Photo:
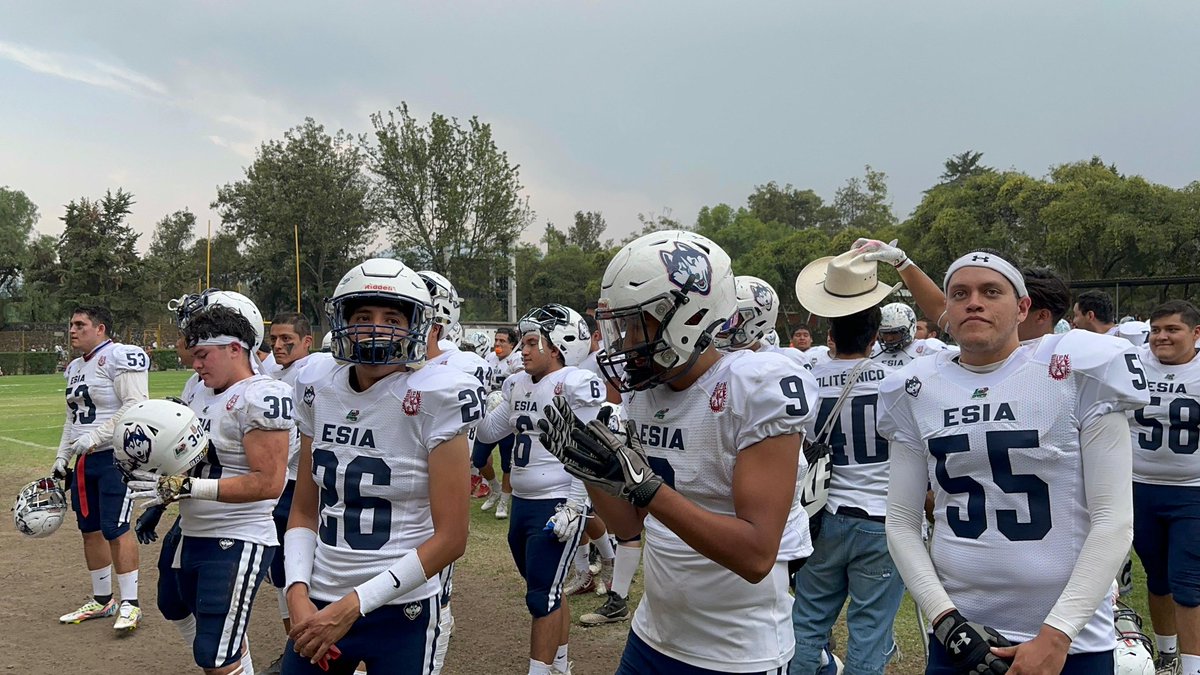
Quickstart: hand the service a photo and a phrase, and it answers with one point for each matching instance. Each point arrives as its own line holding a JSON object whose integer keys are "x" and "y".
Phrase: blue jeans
{"x": 850, "y": 558}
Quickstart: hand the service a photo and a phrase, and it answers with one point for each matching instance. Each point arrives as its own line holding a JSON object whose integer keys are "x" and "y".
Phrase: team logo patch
{"x": 137, "y": 444}
{"x": 1170, "y": 376}
{"x": 558, "y": 389}
{"x": 232, "y": 402}
{"x": 684, "y": 262}
{"x": 309, "y": 396}
{"x": 412, "y": 403}
{"x": 920, "y": 349}
{"x": 413, "y": 610}
{"x": 981, "y": 392}
{"x": 1060, "y": 366}
{"x": 762, "y": 296}
{"x": 912, "y": 386}
{"x": 583, "y": 331}
{"x": 717, "y": 400}
{"x": 661, "y": 414}
{"x": 352, "y": 416}
{"x": 225, "y": 544}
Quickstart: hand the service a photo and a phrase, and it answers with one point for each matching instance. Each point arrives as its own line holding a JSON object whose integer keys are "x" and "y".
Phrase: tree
{"x": 41, "y": 280}
{"x": 18, "y": 215}
{"x": 789, "y": 206}
{"x": 864, "y": 202}
{"x": 963, "y": 166}
{"x": 170, "y": 262}
{"x": 99, "y": 259}
{"x": 448, "y": 196}
{"x": 311, "y": 182}
{"x": 586, "y": 232}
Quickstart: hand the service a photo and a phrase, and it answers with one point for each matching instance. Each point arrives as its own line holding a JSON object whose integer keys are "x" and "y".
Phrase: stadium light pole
{"x": 296, "y": 226}
{"x": 208, "y": 258}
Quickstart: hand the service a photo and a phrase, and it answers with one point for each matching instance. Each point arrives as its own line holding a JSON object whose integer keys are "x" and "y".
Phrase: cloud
{"x": 82, "y": 69}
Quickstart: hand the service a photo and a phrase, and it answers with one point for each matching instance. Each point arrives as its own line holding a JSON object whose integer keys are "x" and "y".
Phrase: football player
{"x": 897, "y": 344}
{"x": 707, "y": 463}
{"x": 757, "y": 311}
{"x": 104, "y": 382}
{"x": 548, "y": 506}
{"x": 442, "y": 351}
{"x": 381, "y": 505}
{"x": 1093, "y": 311}
{"x": 226, "y": 501}
{"x": 1028, "y": 448}
{"x": 850, "y": 557}
{"x": 1166, "y": 483}
{"x": 505, "y": 361}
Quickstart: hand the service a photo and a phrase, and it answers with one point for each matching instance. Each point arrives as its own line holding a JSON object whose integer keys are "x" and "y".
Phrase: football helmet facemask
{"x": 40, "y": 508}
{"x": 188, "y": 305}
{"x": 382, "y": 282}
{"x": 562, "y": 327}
{"x": 897, "y": 326}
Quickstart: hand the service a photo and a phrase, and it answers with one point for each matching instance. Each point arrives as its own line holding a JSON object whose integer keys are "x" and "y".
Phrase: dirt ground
{"x": 44, "y": 578}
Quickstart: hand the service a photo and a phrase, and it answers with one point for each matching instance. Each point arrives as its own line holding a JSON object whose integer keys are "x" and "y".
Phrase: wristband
{"x": 402, "y": 578}
{"x": 299, "y": 551}
{"x": 905, "y": 264}
{"x": 203, "y": 488}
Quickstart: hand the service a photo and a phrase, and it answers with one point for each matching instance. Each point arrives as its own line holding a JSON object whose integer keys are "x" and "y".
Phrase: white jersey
{"x": 370, "y": 461}
{"x": 269, "y": 366}
{"x": 1137, "y": 332}
{"x": 815, "y": 355}
{"x": 1166, "y": 433}
{"x": 467, "y": 362}
{"x": 537, "y": 474}
{"x": 859, "y": 455}
{"x": 913, "y": 350}
{"x": 191, "y": 388}
{"x": 795, "y": 355}
{"x": 1005, "y": 464}
{"x": 91, "y": 398}
{"x": 287, "y": 375}
{"x": 695, "y": 610}
{"x": 257, "y": 402}
{"x": 502, "y": 368}
{"x": 591, "y": 364}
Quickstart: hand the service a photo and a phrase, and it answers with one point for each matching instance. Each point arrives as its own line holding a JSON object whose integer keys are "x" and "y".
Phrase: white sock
{"x": 495, "y": 483}
{"x": 1167, "y": 644}
{"x": 628, "y": 559}
{"x": 281, "y": 595}
{"x": 1190, "y": 664}
{"x": 605, "y": 547}
{"x": 474, "y": 471}
{"x": 102, "y": 581}
{"x": 128, "y": 583}
{"x": 581, "y": 559}
{"x": 538, "y": 668}
{"x": 187, "y": 629}
{"x": 247, "y": 663}
{"x": 560, "y": 659}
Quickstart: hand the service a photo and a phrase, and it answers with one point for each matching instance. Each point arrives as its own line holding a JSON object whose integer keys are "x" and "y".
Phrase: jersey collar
{"x": 102, "y": 345}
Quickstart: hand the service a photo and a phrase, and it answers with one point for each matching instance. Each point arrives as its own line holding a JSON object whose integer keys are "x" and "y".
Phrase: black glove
{"x": 969, "y": 644}
{"x": 147, "y": 523}
{"x": 616, "y": 463}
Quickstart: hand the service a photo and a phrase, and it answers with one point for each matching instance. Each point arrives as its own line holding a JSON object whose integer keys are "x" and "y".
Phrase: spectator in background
{"x": 1094, "y": 312}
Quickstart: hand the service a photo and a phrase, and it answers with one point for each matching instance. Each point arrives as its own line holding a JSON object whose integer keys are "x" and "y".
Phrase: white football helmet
{"x": 161, "y": 436}
{"x": 188, "y": 305}
{"x": 1133, "y": 653}
{"x": 680, "y": 279}
{"x": 771, "y": 338}
{"x": 380, "y": 281}
{"x": 897, "y": 327}
{"x": 757, "y": 311}
{"x": 40, "y": 508}
{"x": 447, "y": 305}
{"x": 481, "y": 343}
{"x": 455, "y": 333}
{"x": 327, "y": 342}
{"x": 562, "y": 327}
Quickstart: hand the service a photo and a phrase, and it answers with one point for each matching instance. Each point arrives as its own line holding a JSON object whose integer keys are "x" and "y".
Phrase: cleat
{"x": 90, "y": 610}
{"x": 128, "y": 617}
{"x": 490, "y": 502}
{"x": 555, "y": 671}
{"x": 1167, "y": 664}
{"x": 502, "y": 506}
{"x": 604, "y": 577}
{"x": 480, "y": 488}
{"x": 613, "y": 610}
{"x": 578, "y": 584}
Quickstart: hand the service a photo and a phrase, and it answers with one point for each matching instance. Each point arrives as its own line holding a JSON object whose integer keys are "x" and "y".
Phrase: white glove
{"x": 83, "y": 445}
{"x": 153, "y": 490}
{"x": 875, "y": 250}
{"x": 59, "y": 471}
{"x": 566, "y": 521}
{"x": 494, "y": 400}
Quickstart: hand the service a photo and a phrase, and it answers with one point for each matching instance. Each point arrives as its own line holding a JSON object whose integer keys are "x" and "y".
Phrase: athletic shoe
{"x": 129, "y": 617}
{"x": 1167, "y": 664}
{"x": 275, "y": 668}
{"x": 604, "y": 578}
{"x": 613, "y": 610}
{"x": 502, "y": 506}
{"x": 555, "y": 671}
{"x": 578, "y": 584}
{"x": 481, "y": 489}
{"x": 488, "y": 503}
{"x": 90, "y": 610}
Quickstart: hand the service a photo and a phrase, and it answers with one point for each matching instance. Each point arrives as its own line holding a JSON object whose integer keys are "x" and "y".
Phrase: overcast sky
{"x": 618, "y": 106}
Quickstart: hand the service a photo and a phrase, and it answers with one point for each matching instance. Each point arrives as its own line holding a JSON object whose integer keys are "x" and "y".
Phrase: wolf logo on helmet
{"x": 137, "y": 445}
{"x": 763, "y": 296}
{"x": 685, "y": 264}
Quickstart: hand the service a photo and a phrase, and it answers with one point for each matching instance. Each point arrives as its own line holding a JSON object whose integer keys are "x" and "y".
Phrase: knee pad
{"x": 538, "y": 604}
{"x": 637, "y": 537}
{"x": 112, "y": 532}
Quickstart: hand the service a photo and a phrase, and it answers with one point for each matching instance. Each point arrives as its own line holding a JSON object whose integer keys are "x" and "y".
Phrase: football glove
{"x": 615, "y": 463}
{"x": 83, "y": 445}
{"x": 59, "y": 470}
{"x": 969, "y": 644}
{"x": 154, "y": 490}
{"x": 566, "y": 521}
{"x": 875, "y": 250}
{"x": 147, "y": 523}
{"x": 558, "y": 420}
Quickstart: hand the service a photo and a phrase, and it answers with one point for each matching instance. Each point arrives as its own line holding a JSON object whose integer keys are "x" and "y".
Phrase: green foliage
{"x": 449, "y": 198}
{"x": 28, "y": 363}
{"x": 18, "y": 215}
{"x": 164, "y": 359}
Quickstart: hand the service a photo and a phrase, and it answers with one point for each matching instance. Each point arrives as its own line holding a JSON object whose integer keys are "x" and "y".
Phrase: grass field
{"x": 31, "y": 417}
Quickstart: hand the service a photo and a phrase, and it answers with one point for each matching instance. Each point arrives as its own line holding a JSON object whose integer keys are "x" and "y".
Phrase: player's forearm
{"x": 251, "y": 487}
{"x": 622, "y": 518}
{"x": 905, "y": 513}
{"x": 1108, "y": 479}
{"x": 494, "y": 427}
{"x": 925, "y": 291}
{"x": 64, "y": 442}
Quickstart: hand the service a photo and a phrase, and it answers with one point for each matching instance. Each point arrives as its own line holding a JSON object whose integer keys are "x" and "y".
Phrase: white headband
{"x": 222, "y": 341}
{"x": 992, "y": 262}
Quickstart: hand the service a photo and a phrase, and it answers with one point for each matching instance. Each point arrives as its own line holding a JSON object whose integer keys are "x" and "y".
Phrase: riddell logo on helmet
{"x": 379, "y": 287}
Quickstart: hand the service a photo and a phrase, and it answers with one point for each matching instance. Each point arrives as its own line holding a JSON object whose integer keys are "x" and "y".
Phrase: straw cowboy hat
{"x": 840, "y": 285}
